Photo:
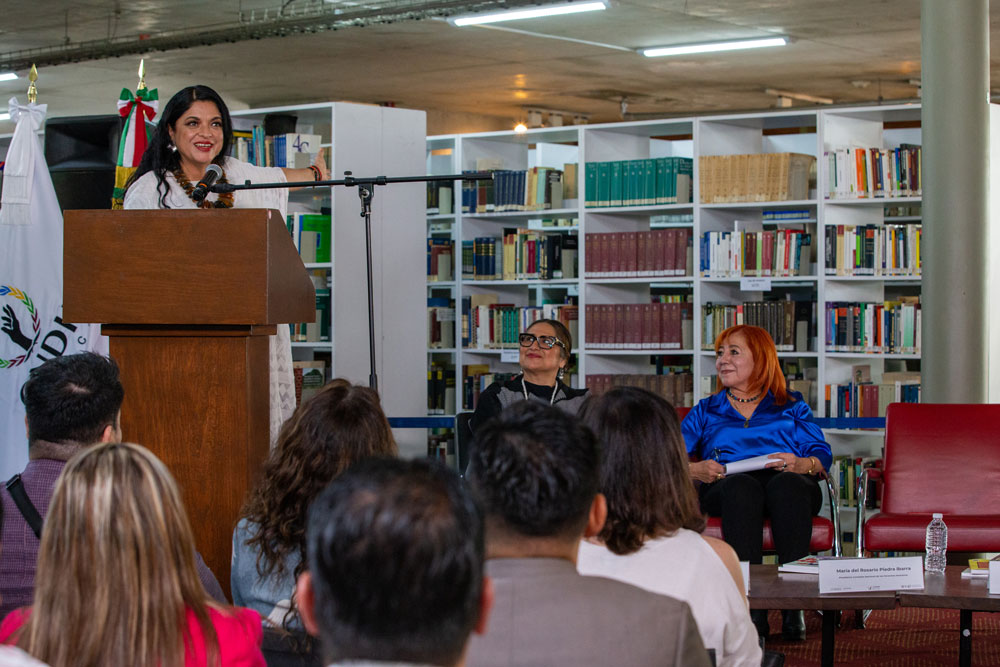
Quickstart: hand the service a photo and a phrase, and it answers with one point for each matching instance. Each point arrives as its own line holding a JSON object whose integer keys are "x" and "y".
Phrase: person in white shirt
{"x": 651, "y": 538}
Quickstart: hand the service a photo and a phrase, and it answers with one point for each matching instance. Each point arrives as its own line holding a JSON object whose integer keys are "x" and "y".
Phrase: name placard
{"x": 994, "y": 577}
{"x": 855, "y": 575}
{"x": 509, "y": 357}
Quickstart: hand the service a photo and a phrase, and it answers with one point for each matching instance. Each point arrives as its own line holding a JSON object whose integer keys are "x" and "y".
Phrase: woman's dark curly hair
{"x": 644, "y": 468}
{"x": 158, "y": 157}
{"x": 340, "y": 425}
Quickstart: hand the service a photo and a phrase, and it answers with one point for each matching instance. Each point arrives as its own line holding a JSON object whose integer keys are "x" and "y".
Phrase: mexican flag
{"x": 31, "y": 251}
{"x": 138, "y": 110}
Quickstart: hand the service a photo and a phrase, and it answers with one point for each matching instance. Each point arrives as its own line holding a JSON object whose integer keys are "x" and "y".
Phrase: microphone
{"x": 212, "y": 174}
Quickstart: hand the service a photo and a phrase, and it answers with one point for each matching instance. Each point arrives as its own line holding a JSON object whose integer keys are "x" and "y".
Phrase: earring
{"x": 171, "y": 147}
{"x": 560, "y": 373}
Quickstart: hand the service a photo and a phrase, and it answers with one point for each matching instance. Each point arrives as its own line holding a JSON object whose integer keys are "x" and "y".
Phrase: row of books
{"x": 776, "y": 253}
{"x": 311, "y": 235}
{"x": 520, "y": 254}
{"x": 647, "y": 182}
{"x": 535, "y": 189}
{"x": 755, "y": 177}
{"x": 440, "y": 259}
{"x": 318, "y": 330}
{"x": 295, "y": 150}
{"x": 874, "y": 327}
{"x": 439, "y": 198}
{"x": 475, "y": 379}
{"x": 488, "y": 324}
{"x": 873, "y": 250}
{"x": 862, "y": 173}
{"x": 792, "y": 324}
{"x": 676, "y": 387}
{"x": 441, "y": 446}
{"x": 440, "y": 323}
{"x": 639, "y": 326}
{"x": 440, "y": 388}
{"x": 659, "y": 252}
{"x": 846, "y": 471}
{"x": 869, "y": 399}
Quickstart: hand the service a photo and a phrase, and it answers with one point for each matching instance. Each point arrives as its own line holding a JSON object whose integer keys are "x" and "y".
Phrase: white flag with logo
{"x": 31, "y": 254}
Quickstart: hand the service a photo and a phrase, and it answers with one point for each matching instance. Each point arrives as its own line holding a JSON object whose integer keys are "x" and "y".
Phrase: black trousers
{"x": 743, "y": 500}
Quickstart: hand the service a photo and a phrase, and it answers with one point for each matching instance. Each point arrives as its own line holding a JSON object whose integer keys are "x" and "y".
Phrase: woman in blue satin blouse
{"x": 753, "y": 414}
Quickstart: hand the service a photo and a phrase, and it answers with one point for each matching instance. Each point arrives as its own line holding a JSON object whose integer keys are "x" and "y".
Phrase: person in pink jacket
{"x": 116, "y": 581}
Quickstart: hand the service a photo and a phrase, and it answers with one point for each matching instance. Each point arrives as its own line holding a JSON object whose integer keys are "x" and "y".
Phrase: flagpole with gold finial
{"x": 142, "y": 75}
{"x": 137, "y": 109}
{"x": 32, "y": 89}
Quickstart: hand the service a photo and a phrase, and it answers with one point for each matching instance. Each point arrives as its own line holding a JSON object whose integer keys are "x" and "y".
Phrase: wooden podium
{"x": 188, "y": 299}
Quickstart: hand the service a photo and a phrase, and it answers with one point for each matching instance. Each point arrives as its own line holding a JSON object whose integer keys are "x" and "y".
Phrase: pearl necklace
{"x": 730, "y": 394}
{"x": 552, "y": 399}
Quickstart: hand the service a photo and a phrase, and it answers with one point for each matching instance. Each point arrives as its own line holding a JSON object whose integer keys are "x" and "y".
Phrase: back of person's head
{"x": 535, "y": 468}
{"x": 395, "y": 564}
{"x": 644, "y": 468}
{"x": 116, "y": 565}
{"x": 341, "y": 425}
{"x": 72, "y": 399}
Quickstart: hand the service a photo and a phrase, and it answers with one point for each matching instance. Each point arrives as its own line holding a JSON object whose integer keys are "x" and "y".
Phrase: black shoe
{"x": 793, "y": 625}
{"x": 759, "y": 618}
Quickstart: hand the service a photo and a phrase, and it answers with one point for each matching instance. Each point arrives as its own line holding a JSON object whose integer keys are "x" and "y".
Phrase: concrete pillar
{"x": 955, "y": 135}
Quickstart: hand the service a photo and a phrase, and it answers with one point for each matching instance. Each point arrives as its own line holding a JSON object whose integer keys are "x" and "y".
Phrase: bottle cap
{"x": 937, "y": 515}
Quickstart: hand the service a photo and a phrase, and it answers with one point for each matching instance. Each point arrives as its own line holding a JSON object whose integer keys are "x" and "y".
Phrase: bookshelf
{"x": 796, "y": 223}
{"x": 369, "y": 141}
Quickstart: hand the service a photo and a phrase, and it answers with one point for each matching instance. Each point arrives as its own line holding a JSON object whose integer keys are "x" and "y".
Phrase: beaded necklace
{"x": 225, "y": 199}
{"x": 741, "y": 400}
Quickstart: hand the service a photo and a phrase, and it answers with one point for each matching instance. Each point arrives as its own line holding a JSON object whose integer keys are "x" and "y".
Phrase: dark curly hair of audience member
{"x": 644, "y": 471}
{"x": 396, "y": 553}
{"x": 340, "y": 425}
{"x": 535, "y": 468}
{"x": 72, "y": 399}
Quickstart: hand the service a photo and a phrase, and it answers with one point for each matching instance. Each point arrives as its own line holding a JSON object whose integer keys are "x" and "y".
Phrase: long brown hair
{"x": 767, "y": 375}
{"x": 341, "y": 424}
{"x": 644, "y": 468}
{"x": 116, "y": 567}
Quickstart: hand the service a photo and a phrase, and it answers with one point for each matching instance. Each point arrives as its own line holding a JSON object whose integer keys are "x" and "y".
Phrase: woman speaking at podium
{"x": 194, "y": 132}
{"x": 754, "y": 416}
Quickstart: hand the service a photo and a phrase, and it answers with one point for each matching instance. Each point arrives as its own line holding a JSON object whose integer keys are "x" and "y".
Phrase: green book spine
{"x": 604, "y": 183}
{"x": 661, "y": 180}
{"x": 590, "y": 184}
{"x": 617, "y": 186}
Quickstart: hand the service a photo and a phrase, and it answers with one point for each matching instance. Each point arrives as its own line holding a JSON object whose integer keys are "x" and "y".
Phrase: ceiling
{"x": 851, "y": 51}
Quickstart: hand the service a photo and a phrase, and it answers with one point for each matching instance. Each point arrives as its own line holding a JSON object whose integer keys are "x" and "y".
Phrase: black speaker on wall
{"x": 82, "y": 152}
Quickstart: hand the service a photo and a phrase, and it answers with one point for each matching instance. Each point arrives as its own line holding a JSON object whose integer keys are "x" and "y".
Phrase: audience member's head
{"x": 535, "y": 469}
{"x": 340, "y": 425}
{"x": 116, "y": 565}
{"x": 73, "y": 401}
{"x": 395, "y": 565}
{"x": 644, "y": 468}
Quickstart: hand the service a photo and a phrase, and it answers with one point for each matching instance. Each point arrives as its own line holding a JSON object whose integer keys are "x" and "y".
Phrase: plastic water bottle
{"x": 936, "y": 544}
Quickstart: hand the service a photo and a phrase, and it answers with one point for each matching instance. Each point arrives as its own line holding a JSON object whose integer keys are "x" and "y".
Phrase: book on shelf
{"x": 639, "y": 326}
{"x": 319, "y": 329}
{"x": 870, "y": 399}
{"x": 873, "y": 250}
{"x": 775, "y": 253}
{"x": 888, "y": 327}
{"x": 676, "y": 387}
{"x": 295, "y": 150}
{"x": 804, "y": 565}
{"x": 535, "y": 189}
{"x": 440, "y": 259}
{"x": 520, "y": 254}
{"x": 311, "y": 233}
{"x": 866, "y": 173}
{"x": 790, "y": 323}
{"x": 309, "y": 377}
{"x": 440, "y": 323}
{"x": 488, "y": 324}
{"x": 440, "y": 388}
{"x": 569, "y": 183}
{"x": 439, "y": 198}
{"x": 645, "y": 182}
{"x": 658, "y": 252}
{"x": 441, "y": 445}
{"x": 475, "y": 379}
{"x": 845, "y": 471}
{"x": 761, "y": 177}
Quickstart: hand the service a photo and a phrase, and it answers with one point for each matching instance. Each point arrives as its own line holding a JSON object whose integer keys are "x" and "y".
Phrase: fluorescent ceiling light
{"x": 532, "y": 13}
{"x": 709, "y": 47}
{"x": 7, "y": 76}
{"x": 4, "y": 116}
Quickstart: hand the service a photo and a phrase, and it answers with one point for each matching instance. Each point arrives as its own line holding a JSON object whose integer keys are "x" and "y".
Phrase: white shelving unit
{"x": 369, "y": 141}
{"x": 812, "y": 131}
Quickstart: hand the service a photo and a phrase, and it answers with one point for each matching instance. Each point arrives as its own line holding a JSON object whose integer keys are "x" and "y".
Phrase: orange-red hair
{"x": 767, "y": 375}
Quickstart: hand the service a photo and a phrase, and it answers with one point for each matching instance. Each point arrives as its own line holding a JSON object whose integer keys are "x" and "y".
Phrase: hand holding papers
{"x": 746, "y": 465}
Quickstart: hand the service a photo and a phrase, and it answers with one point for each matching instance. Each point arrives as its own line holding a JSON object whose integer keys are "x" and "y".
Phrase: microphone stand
{"x": 366, "y": 192}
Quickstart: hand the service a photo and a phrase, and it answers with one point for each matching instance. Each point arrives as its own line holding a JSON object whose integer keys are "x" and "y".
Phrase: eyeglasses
{"x": 544, "y": 342}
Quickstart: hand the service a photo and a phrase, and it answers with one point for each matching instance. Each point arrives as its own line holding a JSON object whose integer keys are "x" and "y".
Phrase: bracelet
{"x": 317, "y": 174}
{"x": 811, "y": 465}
